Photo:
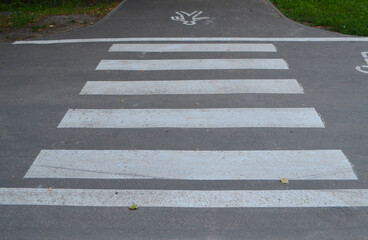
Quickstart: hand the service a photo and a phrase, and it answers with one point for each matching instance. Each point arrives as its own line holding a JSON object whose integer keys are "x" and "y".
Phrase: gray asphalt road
{"x": 39, "y": 83}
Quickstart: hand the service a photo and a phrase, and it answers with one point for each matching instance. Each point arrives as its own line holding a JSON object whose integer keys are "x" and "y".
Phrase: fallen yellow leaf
{"x": 284, "y": 181}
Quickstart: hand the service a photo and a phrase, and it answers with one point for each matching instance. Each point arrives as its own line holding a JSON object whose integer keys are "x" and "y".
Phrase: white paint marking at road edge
{"x": 228, "y": 86}
{"x": 199, "y": 39}
{"x": 185, "y": 198}
{"x": 193, "y": 165}
{"x": 192, "y": 64}
{"x": 360, "y": 68}
{"x": 192, "y": 118}
{"x": 204, "y": 47}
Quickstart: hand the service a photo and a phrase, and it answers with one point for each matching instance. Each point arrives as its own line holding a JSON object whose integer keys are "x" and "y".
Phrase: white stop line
{"x": 199, "y": 39}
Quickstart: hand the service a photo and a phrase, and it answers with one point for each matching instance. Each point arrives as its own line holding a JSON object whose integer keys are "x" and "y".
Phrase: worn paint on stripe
{"x": 274, "y": 86}
{"x": 185, "y": 198}
{"x": 199, "y": 39}
{"x": 193, "y": 165}
{"x": 205, "y": 47}
{"x": 192, "y": 118}
{"x": 192, "y": 64}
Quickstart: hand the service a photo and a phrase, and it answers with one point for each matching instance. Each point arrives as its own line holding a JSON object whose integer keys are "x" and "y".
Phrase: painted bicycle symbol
{"x": 361, "y": 68}
{"x": 188, "y": 18}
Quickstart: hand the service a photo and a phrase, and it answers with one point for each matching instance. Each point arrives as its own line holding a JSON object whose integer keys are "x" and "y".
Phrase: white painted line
{"x": 193, "y": 165}
{"x": 205, "y": 47}
{"x": 274, "y": 86}
{"x": 199, "y": 39}
{"x": 363, "y": 68}
{"x": 185, "y": 198}
{"x": 192, "y": 64}
{"x": 189, "y": 19}
{"x": 192, "y": 118}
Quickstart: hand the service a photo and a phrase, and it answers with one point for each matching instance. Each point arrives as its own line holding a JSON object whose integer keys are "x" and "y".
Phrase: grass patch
{"x": 20, "y": 13}
{"x": 36, "y": 28}
{"x": 344, "y": 16}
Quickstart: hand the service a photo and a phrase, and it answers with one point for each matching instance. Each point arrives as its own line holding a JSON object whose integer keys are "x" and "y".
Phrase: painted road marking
{"x": 193, "y": 165}
{"x": 204, "y": 47}
{"x": 192, "y": 118}
{"x": 185, "y": 198}
{"x": 363, "y": 68}
{"x": 192, "y": 64}
{"x": 188, "y": 19}
{"x": 273, "y": 86}
{"x": 203, "y": 39}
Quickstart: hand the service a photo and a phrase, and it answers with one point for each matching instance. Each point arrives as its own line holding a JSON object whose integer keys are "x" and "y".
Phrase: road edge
{"x": 107, "y": 16}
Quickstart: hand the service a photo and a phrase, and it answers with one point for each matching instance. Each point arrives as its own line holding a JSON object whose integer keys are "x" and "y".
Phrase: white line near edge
{"x": 205, "y": 47}
{"x": 192, "y": 118}
{"x": 199, "y": 39}
{"x": 185, "y": 198}
{"x": 192, "y": 64}
{"x": 228, "y": 86}
{"x": 193, "y": 165}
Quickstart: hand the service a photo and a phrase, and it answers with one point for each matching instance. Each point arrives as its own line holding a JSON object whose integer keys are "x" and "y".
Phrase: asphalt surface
{"x": 39, "y": 83}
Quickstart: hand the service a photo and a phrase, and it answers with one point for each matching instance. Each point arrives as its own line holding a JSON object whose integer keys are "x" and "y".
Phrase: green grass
{"x": 344, "y": 16}
{"x": 20, "y": 13}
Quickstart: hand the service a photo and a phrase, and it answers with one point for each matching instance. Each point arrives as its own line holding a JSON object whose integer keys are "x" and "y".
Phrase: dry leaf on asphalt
{"x": 284, "y": 181}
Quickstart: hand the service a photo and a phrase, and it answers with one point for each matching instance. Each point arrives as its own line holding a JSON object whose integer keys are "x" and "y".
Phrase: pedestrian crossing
{"x": 192, "y": 64}
{"x": 320, "y": 164}
{"x": 192, "y": 165}
{"x": 204, "y": 47}
{"x": 185, "y": 198}
{"x": 193, "y": 118}
{"x": 228, "y": 86}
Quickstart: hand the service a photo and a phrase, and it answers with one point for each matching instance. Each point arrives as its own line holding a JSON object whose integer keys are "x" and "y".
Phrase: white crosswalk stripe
{"x": 240, "y": 165}
{"x": 185, "y": 198}
{"x": 189, "y": 165}
{"x": 234, "y": 47}
{"x": 272, "y": 86}
{"x": 192, "y": 64}
{"x": 193, "y": 118}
